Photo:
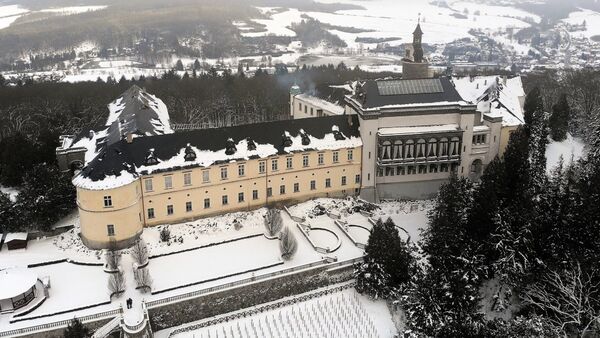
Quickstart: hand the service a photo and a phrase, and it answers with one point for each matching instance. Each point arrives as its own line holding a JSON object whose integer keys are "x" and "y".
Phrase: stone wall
{"x": 205, "y": 306}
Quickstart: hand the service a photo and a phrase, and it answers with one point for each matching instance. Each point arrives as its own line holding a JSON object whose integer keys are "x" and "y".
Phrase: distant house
{"x": 16, "y": 240}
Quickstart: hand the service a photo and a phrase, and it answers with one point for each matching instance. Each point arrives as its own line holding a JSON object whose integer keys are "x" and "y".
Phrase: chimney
{"x": 129, "y": 138}
{"x": 504, "y": 80}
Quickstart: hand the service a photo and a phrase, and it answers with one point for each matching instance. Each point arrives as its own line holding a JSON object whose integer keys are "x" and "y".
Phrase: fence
{"x": 61, "y": 323}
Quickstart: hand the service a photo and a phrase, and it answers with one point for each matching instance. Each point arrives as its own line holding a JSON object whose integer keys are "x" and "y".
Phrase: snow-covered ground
{"x": 73, "y": 9}
{"x": 592, "y": 21}
{"x": 9, "y": 14}
{"x": 340, "y": 314}
{"x": 75, "y": 285}
{"x": 570, "y": 149}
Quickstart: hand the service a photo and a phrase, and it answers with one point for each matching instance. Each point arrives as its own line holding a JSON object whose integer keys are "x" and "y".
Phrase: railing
{"x": 61, "y": 323}
{"x": 137, "y": 327}
{"x": 264, "y": 307}
{"x": 198, "y": 293}
{"x": 107, "y": 328}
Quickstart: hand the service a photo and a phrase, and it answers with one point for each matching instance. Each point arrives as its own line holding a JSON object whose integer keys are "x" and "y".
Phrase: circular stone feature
{"x": 324, "y": 238}
{"x": 359, "y": 233}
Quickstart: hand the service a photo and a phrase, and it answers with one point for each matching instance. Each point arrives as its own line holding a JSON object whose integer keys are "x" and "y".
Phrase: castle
{"x": 394, "y": 138}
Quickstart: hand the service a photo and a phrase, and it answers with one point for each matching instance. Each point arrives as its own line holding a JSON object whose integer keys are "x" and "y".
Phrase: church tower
{"x": 415, "y": 66}
{"x": 417, "y": 44}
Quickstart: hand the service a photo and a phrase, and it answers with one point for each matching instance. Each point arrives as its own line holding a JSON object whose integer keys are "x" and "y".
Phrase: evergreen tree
{"x": 387, "y": 262}
{"x": 2, "y": 80}
{"x": 76, "y": 330}
{"x": 533, "y": 102}
{"x": 197, "y": 65}
{"x": 179, "y": 65}
{"x": 443, "y": 298}
{"x": 559, "y": 120}
{"x": 240, "y": 70}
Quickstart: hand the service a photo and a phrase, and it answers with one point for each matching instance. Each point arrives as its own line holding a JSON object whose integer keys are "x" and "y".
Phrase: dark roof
{"x": 379, "y": 93}
{"x": 418, "y": 30}
{"x": 126, "y": 156}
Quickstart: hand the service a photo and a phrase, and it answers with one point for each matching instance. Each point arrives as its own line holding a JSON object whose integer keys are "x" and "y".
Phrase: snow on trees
{"x": 273, "y": 222}
{"x": 559, "y": 120}
{"x": 165, "y": 234}
{"x": 139, "y": 252}
{"x": 143, "y": 279}
{"x": 76, "y": 329}
{"x": 387, "y": 262}
{"x": 287, "y": 244}
{"x": 116, "y": 282}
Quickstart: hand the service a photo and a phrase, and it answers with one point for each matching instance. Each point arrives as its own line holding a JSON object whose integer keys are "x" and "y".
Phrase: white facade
{"x": 306, "y": 106}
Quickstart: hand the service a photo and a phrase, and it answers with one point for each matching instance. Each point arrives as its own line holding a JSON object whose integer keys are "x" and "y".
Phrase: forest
{"x": 522, "y": 240}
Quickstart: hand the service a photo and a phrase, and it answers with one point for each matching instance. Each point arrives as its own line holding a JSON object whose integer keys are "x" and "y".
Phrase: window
{"x": 274, "y": 165}
{"x": 254, "y": 194}
{"x": 400, "y": 171}
{"x": 479, "y": 139}
{"x": 148, "y": 184}
{"x": 350, "y": 155}
{"x": 168, "y": 182}
{"x": 224, "y": 173}
{"x": 241, "y": 197}
{"x": 241, "y": 170}
{"x": 269, "y": 192}
{"x": 357, "y": 179}
{"x": 305, "y": 109}
{"x": 206, "y": 203}
{"x": 421, "y": 145}
{"x": 187, "y": 178}
{"x": 433, "y": 168}
{"x": 296, "y": 187}
{"x": 343, "y": 180}
{"x": 261, "y": 167}
{"x": 311, "y": 111}
{"x": 282, "y": 190}
{"x": 412, "y": 170}
{"x": 313, "y": 185}
{"x": 224, "y": 200}
{"x": 188, "y": 206}
{"x": 385, "y": 150}
{"x": 336, "y": 156}
{"x": 151, "y": 213}
{"x": 205, "y": 176}
{"x": 328, "y": 183}
{"x": 169, "y": 209}
{"x": 300, "y": 106}
{"x": 110, "y": 229}
{"x": 107, "y": 201}
{"x": 321, "y": 158}
{"x": 305, "y": 162}
{"x": 289, "y": 162}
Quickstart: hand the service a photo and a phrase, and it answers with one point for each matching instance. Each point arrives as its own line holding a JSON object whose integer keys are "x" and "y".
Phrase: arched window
{"x": 454, "y": 146}
{"x": 444, "y": 147}
{"x": 397, "y": 150}
{"x": 421, "y": 145}
{"x": 432, "y": 151}
{"x": 477, "y": 167}
{"x": 409, "y": 149}
{"x": 386, "y": 150}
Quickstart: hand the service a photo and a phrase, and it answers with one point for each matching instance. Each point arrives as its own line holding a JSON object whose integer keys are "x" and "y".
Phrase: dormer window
{"x": 190, "y": 154}
{"x": 305, "y": 138}
{"x": 337, "y": 134}
{"x": 230, "y": 148}
{"x": 287, "y": 139}
{"x": 251, "y": 144}
{"x": 151, "y": 158}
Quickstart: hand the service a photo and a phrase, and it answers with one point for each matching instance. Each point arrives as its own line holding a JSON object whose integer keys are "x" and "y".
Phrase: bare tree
{"x": 139, "y": 252}
{"x": 143, "y": 279}
{"x": 116, "y": 283}
{"x": 112, "y": 256}
{"x": 287, "y": 244}
{"x": 273, "y": 222}
{"x": 570, "y": 300}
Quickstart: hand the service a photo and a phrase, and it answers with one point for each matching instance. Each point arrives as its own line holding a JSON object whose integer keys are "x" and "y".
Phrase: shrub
{"x": 143, "y": 279}
{"x": 76, "y": 330}
{"x": 273, "y": 222}
{"x": 116, "y": 283}
{"x": 165, "y": 234}
{"x": 287, "y": 244}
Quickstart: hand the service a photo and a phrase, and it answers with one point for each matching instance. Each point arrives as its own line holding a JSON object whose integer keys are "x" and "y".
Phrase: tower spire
{"x": 417, "y": 42}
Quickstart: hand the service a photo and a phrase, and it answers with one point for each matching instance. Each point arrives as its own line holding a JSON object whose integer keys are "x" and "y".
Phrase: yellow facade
{"x": 187, "y": 194}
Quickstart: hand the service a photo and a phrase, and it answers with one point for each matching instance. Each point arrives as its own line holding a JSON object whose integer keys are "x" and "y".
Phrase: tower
{"x": 417, "y": 44}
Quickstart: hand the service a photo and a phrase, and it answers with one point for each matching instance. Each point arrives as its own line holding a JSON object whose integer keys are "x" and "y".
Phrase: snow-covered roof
{"x": 122, "y": 162}
{"x": 320, "y": 103}
{"x": 494, "y": 97}
{"x": 15, "y": 281}
{"x": 419, "y": 130}
{"x": 15, "y": 236}
{"x": 135, "y": 112}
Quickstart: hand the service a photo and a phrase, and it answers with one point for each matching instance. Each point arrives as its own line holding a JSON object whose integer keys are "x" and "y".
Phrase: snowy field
{"x": 9, "y": 14}
{"x": 340, "y": 314}
{"x": 592, "y": 21}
